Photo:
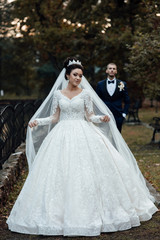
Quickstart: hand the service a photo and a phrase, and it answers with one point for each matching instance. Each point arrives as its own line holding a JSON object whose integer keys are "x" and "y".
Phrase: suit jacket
{"x": 115, "y": 101}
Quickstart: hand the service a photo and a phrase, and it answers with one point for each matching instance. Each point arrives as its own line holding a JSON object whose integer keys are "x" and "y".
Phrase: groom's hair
{"x": 111, "y": 64}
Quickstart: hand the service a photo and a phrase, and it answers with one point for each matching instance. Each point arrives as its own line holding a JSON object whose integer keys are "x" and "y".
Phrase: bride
{"x": 83, "y": 179}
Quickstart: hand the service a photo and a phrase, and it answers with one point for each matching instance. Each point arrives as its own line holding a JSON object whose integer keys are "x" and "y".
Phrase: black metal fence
{"x": 13, "y": 125}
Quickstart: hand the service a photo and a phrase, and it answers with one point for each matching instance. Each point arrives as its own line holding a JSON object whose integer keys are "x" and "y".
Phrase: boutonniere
{"x": 121, "y": 86}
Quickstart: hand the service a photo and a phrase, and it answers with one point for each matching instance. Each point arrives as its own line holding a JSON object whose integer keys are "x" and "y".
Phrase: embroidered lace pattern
{"x": 71, "y": 109}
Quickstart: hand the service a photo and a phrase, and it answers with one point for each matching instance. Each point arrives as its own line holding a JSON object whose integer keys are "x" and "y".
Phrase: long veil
{"x": 35, "y": 136}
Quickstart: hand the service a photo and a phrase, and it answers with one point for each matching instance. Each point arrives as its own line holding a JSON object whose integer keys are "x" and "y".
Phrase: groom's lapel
{"x": 105, "y": 88}
{"x": 116, "y": 89}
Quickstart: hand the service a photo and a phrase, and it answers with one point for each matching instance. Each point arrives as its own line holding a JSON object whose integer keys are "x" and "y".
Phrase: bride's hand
{"x": 105, "y": 118}
{"x": 33, "y": 124}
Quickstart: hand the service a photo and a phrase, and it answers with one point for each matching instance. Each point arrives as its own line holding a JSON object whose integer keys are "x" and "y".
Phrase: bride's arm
{"x": 90, "y": 113}
{"x": 97, "y": 118}
{"x": 48, "y": 120}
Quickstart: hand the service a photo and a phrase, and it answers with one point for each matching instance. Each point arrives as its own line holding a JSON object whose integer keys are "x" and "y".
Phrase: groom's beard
{"x": 111, "y": 75}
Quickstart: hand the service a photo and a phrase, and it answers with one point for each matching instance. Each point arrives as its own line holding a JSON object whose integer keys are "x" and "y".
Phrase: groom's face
{"x": 111, "y": 70}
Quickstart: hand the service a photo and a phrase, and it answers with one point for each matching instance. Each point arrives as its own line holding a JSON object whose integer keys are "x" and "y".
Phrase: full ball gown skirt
{"x": 79, "y": 184}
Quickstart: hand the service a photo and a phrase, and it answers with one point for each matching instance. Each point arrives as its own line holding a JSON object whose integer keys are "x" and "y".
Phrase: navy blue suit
{"x": 114, "y": 102}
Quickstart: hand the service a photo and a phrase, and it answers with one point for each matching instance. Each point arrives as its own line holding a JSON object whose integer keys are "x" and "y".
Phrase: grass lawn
{"x": 138, "y": 138}
{"x": 147, "y": 154}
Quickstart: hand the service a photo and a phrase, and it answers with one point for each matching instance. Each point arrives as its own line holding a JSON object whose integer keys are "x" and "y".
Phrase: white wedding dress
{"x": 79, "y": 183}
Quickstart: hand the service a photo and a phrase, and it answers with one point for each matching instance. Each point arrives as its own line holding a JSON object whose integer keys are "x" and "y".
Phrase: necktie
{"x": 110, "y": 81}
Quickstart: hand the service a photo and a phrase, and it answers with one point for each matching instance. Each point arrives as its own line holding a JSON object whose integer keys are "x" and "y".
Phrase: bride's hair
{"x": 72, "y": 66}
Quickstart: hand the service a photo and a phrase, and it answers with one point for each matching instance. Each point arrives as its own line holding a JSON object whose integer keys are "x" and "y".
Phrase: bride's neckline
{"x": 72, "y": 97}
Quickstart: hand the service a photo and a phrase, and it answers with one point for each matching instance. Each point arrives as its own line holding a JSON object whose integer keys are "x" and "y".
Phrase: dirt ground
{"x": 149, "y": 230}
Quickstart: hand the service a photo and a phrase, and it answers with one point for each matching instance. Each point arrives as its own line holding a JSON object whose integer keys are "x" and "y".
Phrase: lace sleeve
{"x": 89, "y": 110}
{"x": 55, "y": 113}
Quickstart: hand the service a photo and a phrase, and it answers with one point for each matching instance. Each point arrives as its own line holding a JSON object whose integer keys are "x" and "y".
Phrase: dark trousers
{"x": 119, "y": 122}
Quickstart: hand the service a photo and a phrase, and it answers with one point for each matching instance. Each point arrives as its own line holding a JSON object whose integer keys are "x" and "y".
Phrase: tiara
{"x": 74, "y": 62}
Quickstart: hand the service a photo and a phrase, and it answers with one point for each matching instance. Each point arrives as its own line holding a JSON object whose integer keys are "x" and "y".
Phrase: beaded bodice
{"x": 79, "y": 107}
{"x": 72, "y": 109}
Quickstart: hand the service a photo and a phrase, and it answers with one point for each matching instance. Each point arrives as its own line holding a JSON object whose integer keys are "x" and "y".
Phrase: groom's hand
{"x": 105, "y": 118}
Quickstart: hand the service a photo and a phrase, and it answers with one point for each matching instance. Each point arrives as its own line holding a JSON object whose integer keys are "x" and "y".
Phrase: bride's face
{"x": 75, "y": 77}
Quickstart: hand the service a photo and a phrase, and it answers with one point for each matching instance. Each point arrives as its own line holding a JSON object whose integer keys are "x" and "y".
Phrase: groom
{"x": 113, "y": 92}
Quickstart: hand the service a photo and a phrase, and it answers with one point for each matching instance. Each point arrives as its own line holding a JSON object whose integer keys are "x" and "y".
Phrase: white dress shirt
{"x": 111, "y": 87}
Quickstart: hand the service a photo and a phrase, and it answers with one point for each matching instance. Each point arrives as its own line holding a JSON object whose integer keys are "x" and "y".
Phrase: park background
{"x": 37, "y": 35}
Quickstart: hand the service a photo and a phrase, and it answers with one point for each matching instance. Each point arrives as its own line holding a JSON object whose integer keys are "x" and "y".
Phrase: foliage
{"x": 144, "y": 60}
{"x": 17, "y": 57}
{"x": 57, "y": 29}
{"x": 44, "y": 33}
{"x": 17, "y": 64}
